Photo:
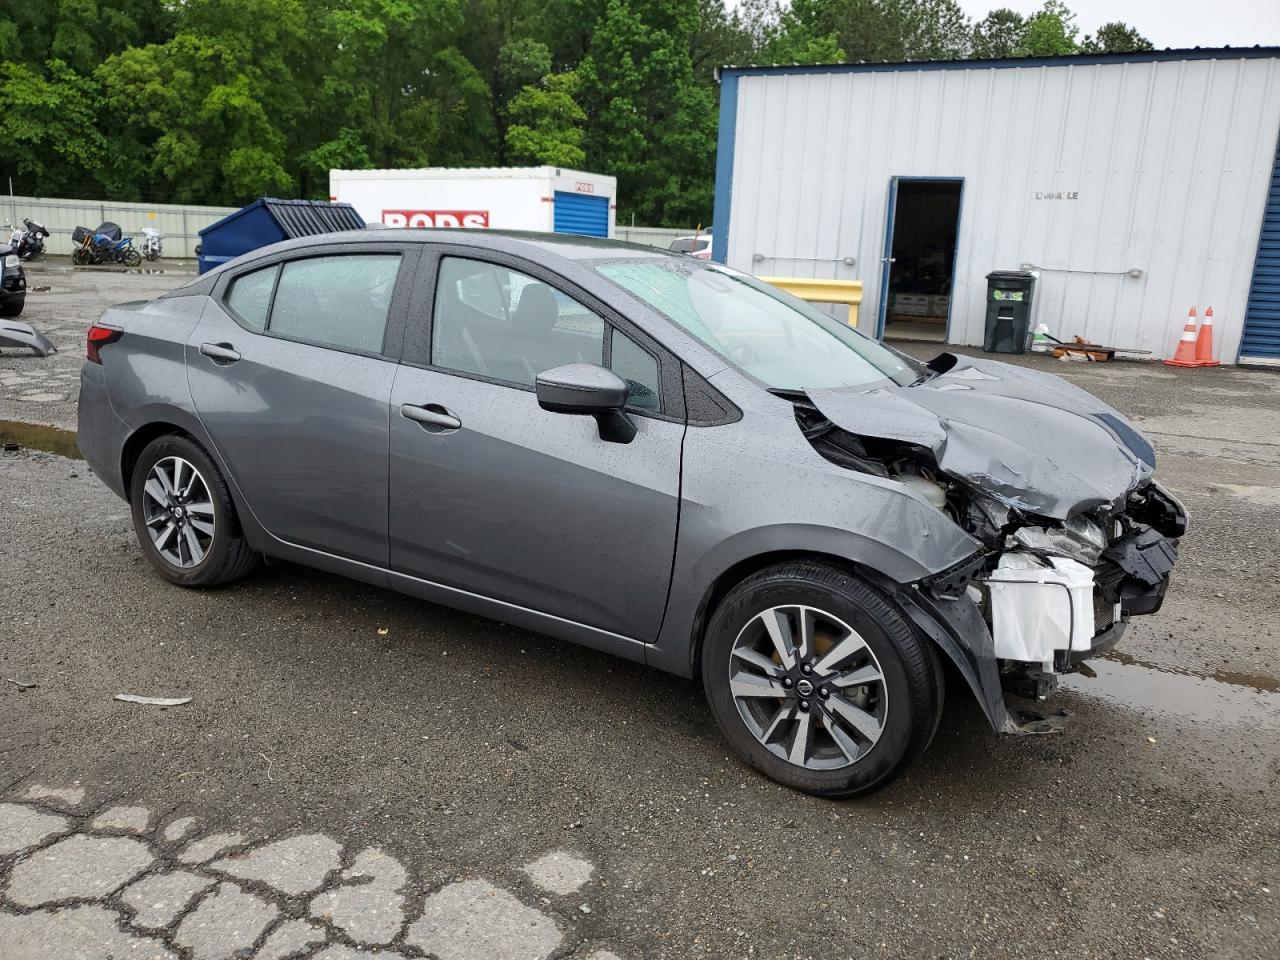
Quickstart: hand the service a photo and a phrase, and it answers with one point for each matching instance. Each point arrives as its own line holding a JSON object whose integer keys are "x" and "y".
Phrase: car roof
{"x": 521, "y": 242}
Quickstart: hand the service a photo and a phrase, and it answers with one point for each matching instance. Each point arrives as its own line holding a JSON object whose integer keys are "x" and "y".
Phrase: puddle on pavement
{"x": 1224, "y": 699}
{"x": 36, "y": 436}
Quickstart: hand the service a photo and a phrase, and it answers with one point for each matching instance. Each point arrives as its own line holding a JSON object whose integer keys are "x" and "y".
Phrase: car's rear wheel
{"x": 183, "y": 515}
{"x": 818, "y": 681}
{"x": 13, "y": 307}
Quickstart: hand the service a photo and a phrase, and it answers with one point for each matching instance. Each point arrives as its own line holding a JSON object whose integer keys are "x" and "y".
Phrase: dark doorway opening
{"x": 925, "y": 220}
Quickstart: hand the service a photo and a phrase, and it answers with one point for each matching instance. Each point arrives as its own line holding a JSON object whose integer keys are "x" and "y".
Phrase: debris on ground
{"x": 153, "y": 701}
{"x": 19, "y": 684}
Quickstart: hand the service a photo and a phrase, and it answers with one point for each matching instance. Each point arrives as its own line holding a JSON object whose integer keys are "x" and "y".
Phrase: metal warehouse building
{"x": 1133, "y": 185}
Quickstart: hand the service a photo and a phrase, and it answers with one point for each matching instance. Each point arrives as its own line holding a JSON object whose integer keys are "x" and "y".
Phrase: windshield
{"x": 782, "y": 342}
{"x": 688, "y": 244}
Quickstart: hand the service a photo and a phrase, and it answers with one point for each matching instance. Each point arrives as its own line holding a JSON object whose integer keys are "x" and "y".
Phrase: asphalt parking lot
{"x": 368, "y": 774}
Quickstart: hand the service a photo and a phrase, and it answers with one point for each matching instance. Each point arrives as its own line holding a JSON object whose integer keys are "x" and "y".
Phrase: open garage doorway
{"x": 920, "y": 257}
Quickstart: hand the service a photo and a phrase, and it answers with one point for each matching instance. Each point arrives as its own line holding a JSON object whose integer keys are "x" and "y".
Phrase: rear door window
{"x": 339, "y": 301}
{"x": 250, "y": 296}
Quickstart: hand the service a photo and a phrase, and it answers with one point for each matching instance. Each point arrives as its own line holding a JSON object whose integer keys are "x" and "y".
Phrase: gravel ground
{"x": 466, "y": 749}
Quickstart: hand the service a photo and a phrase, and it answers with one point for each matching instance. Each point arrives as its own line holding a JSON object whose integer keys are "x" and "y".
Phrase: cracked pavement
{"x": 121, "y": 883}
{"x": 497, "y": 768}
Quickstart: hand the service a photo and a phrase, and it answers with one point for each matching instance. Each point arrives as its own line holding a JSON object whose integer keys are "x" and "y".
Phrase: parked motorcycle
{"x": 28, "y": 243}
{"x": 104, "y": 245}
{"x": 152, "y": 247}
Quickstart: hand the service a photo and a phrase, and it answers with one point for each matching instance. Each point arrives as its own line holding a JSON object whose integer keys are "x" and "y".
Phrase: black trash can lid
{"x": 1017, "y": 276}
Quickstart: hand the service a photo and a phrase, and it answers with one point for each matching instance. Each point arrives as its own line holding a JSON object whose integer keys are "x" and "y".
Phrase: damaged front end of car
{"x": 1056, "y": 487}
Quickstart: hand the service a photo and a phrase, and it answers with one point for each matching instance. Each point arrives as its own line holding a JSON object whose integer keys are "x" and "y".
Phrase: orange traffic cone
{"x": 1204, "y": 342}
{"x": 1185, "y": 355}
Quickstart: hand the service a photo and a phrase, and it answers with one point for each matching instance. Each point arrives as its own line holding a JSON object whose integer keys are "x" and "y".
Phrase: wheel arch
{"x": 739, "y": 571}
{"x": 961, "y": 638}
{"x": 137, "y": 441}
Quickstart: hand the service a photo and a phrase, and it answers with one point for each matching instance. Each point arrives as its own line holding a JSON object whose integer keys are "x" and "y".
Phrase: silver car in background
{"x": 646, "y": 454}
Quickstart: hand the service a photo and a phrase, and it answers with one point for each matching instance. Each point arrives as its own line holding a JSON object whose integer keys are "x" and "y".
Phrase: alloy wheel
{"x": 808, "y": 687}
{"x": 178, "y": 512}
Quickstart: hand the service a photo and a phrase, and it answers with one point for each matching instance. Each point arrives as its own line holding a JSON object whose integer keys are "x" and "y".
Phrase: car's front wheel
{"x": 818, "y": 682}
{"x": 183, "y": 515}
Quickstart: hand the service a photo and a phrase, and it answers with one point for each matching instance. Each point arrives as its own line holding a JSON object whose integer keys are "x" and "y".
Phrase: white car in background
{"x": 697, "y": 246}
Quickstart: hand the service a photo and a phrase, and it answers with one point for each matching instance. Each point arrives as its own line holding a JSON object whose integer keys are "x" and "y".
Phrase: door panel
{"x": 303, "y": 429}
{"x": 886, "y": 261}
{"x": 530, "y": 507}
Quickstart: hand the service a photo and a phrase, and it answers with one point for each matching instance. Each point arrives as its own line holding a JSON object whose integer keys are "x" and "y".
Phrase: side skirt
{"x": 459, "y": 599}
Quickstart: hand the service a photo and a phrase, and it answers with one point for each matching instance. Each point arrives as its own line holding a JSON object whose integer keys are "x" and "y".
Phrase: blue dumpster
{"x": 267, "y": 221}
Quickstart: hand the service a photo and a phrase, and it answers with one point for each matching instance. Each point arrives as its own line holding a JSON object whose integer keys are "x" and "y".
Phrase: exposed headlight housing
{"x": 11, "y": 261}
{"x": 1079, "y": 539}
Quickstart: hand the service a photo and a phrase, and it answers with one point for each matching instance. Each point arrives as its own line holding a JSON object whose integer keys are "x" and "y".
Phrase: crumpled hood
{"x": 1028, "y": 439}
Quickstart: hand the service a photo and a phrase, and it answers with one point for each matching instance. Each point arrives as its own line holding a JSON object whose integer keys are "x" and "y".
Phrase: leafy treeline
{"x": 220, "y": 101}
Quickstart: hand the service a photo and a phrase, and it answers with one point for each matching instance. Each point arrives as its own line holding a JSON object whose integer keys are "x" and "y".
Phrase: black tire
{"x": 912, "y": 677}
{"x": 79, "y": 256}
{"x": 228, "y": 556}
{"x": 132, "y": 258}
{"x": 13, "y": 308}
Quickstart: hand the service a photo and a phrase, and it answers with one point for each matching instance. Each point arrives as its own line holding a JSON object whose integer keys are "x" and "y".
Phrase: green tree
{"x": 48, "y": 130}
{"x": 888, "y": 30}
{"x": 650, "y": 123}
{"x": 1115, "y": 37}
{"x": 546, "y": 123}
{"x": 778, "y": 35}
{"x": 1050, "y": 32}
{"x": 395, "y": 76}
{"x": 199, "y": 108}
{"x": 999, "y": 34}
{"x": 80, "y": 33}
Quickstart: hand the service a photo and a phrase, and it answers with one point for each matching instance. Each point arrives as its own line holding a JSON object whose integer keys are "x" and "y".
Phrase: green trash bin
{"x": 1009, "y": 296}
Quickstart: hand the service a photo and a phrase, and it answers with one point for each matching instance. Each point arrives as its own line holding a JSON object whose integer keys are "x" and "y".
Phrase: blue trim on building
{"x": 724, "y": 167}
{"x": 886, "y": 266}
{"x": 1261, "y": 336}
{"x": 729, "y": 73}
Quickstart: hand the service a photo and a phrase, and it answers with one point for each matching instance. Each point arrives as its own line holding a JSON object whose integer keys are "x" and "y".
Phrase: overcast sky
{"x": 1169, "y": 23}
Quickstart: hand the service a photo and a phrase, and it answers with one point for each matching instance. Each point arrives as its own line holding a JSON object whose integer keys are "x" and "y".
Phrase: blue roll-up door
{"x": 582, "y": 214}
{"x": 1261, "y": 339}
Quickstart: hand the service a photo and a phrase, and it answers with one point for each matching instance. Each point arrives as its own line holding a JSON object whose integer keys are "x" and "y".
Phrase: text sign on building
{"x": 583, "y": 186}
{"x": 1055, "y": 195}
{"x": 425, "y": 219}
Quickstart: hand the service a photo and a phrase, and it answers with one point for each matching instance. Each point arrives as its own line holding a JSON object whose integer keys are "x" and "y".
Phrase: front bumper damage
{"x": 1014, "y": 628}
{"x": 1053, "y": 484}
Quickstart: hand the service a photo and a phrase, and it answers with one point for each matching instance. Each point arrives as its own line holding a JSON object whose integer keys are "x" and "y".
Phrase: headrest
{"x": 537, "y": 310}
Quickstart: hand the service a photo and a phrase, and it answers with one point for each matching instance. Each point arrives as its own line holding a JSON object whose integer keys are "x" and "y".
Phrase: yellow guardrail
{"x": 823, "y": 291}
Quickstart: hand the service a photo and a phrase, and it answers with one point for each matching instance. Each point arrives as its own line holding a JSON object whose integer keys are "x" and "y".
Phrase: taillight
{"x": 98, "y": 338}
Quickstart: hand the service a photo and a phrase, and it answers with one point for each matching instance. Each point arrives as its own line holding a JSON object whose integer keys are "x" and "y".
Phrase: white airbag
{"x": 1039, "y": 606}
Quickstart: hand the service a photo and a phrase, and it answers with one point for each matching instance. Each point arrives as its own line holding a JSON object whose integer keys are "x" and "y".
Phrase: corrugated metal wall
{"x": 1086, "y": 171}
{"x": 180, "y": 225}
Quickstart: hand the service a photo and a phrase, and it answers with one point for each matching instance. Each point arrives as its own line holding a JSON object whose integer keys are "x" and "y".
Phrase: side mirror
{"x": 591, "y": 390}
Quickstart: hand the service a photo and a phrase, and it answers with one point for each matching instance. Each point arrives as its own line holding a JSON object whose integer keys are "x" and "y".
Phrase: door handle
{"x": 220, "y": 352}
{"x": 431, "y": 417}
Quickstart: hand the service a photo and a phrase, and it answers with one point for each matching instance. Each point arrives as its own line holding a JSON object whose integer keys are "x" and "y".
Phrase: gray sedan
{"x": 643, "y": 453}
